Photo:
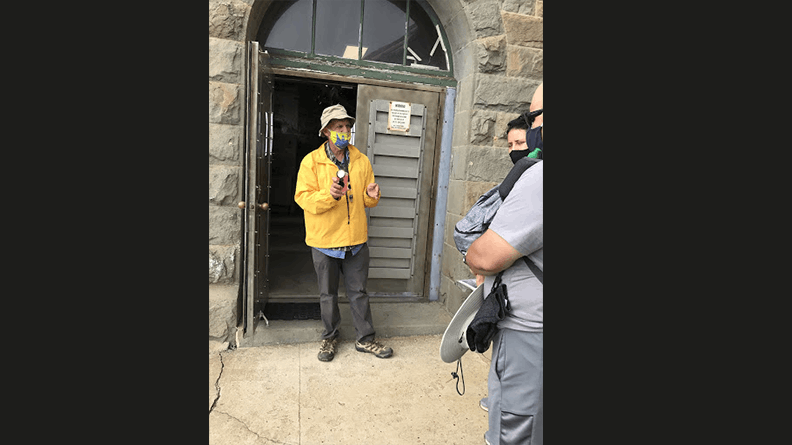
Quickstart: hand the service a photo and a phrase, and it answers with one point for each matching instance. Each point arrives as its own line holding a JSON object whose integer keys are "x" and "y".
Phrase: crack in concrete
{"x": 268, "y": 440}
{"x": 217, "y": 384}
{"x": 214, "y": 404}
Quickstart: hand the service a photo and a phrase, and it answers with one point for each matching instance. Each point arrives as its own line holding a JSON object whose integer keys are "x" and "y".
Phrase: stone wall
{"x": 498, "y": 63}
{"x": 227, "y": 24}
{"x": 497, "y": 47}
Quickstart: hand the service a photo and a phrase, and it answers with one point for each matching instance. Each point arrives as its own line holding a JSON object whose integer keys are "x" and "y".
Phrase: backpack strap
{"x": 535, "y": 269}
{"x": 505, "y": 187}
{"x": 514, "y": 174}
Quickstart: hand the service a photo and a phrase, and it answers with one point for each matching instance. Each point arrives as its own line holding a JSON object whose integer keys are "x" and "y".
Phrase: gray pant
{"x": 515, "y": 388}
{"x": 355, "y": 269}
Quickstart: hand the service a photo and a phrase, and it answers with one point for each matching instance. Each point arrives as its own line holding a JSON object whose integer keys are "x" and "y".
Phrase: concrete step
{"x": 391, "y": 319}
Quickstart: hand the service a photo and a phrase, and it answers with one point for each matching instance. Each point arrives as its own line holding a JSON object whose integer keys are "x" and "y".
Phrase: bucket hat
{"x": 334, "y": 112}
{"x": 454, "y": 343}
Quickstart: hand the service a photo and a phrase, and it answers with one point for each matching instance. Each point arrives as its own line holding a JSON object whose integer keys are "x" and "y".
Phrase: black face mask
{"x": 533, "y": 139}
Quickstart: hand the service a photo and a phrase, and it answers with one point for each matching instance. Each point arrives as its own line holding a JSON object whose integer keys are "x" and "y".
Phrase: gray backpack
{"x": 479, "y": 217}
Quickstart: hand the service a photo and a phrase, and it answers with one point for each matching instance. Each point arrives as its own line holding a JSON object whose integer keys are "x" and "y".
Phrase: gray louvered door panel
{"x": 403, "y": 163}
{"x": 396, "y": 158}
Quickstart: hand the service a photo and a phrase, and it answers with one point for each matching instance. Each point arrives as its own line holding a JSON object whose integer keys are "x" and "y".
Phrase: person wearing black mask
{"x": 525, "y": 133}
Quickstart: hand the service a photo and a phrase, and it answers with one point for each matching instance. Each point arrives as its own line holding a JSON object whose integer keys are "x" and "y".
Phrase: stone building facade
{"x": 497, "y": 50}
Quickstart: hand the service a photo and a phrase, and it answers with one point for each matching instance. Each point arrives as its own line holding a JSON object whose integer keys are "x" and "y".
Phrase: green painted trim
{"x": 362, "y": 63}
{"x": 406, "y": 34}
{"x": 436, "y": 21}
{"x": 276, "y": 61}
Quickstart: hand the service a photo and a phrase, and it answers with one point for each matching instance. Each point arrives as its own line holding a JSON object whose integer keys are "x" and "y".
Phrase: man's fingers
{"x": 335, "y": 189}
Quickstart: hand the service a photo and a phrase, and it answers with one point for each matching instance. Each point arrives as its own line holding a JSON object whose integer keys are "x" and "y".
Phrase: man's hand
{"x": 373, "y": 190}
{"x": 336, "y": 189}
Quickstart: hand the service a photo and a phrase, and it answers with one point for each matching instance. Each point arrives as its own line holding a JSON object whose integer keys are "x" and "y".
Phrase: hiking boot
{"x": 374, "y": 348}
{"x": 327, "y": 349}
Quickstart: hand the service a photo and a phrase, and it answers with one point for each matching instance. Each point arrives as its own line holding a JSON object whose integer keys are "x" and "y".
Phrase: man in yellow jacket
{"x": 334, "y": 186}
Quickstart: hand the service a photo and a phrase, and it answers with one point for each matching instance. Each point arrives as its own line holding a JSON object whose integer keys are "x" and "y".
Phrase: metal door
{"x": 403, "y": 158}
{"x": 257, "y": 165}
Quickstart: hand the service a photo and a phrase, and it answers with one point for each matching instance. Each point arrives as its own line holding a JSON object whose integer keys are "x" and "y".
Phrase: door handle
{"x": 242, "y": 205}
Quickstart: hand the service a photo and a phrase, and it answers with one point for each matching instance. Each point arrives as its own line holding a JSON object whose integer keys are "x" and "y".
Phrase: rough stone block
{"x": 509, "y": 96}
{"x": 225, "y": 143}
{"x": 452, "y": 268}
{"x": 459, "y": 162}
{"x": 474, "y": 190}
{"x": 485, "y": 18}
{"x": 461, "y": 134}
{"x": 466, "y": 87}
{"x": 222, "y": 264}
{"x": 456, "y": 195}
{"x": 538, "y": 65}
{"x": 452, "y": 265}
{"x": 519, "y": 6}
{"x": 226, "y": 59}
{"x": 227, "y": 19}
{"x": 445, "y": 286}
{"x": 225, "y": 103}
{"x": 488, "y": 164}
{"x": 222, "y": 312}
{"x": 451, "y": 220}
{"x": 501, "y": 124}
{"x": 482, "y": 126}
{"x": 523, "y": 30}
{"x": 454, "y": 297}
{"x": 224, "y": 185}
{"x": 225, "y": 225}
{"x": 525, "y": 62}
{"x": 491, "y": 54}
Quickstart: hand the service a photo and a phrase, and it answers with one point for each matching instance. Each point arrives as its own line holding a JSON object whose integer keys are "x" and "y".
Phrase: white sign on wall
{"x": 399, "y": 116}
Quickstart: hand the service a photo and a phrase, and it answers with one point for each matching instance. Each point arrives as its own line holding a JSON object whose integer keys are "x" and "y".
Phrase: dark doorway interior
{"x": 297, "y": 107}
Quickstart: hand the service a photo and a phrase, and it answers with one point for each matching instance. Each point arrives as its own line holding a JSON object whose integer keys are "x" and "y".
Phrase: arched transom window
{"x": 403, "y": 33}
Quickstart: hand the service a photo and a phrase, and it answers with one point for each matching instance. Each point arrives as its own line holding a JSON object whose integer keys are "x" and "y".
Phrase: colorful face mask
{"x": 340, "y": 140}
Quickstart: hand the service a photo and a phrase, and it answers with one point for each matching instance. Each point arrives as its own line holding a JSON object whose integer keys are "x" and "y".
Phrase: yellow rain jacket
{"x": 331, "y": 223}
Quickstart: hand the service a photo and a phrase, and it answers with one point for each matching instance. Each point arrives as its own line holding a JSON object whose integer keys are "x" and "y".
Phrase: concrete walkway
{"x": 281, "y": 394}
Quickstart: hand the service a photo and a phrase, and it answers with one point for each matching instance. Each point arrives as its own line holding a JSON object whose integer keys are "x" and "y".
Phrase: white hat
{"x": 334, "y": 112}
{"x": 454, "y": 343}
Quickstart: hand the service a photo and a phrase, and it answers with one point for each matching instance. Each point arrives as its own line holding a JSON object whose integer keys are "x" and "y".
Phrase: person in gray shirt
{"x": 515, "y": 381}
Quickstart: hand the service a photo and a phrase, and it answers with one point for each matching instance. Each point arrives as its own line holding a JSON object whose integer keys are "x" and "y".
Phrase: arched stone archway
{"x": 497, "y": 48}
